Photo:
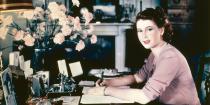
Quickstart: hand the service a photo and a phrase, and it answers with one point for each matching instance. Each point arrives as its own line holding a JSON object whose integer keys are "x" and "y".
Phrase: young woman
{"x": 166, "y": 72}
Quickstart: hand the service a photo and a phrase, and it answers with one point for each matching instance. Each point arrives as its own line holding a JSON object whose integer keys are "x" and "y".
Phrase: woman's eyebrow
{"x": 149, "y": 27}
{"x": 138, "y": 29}
{"x": 145, "y": 27}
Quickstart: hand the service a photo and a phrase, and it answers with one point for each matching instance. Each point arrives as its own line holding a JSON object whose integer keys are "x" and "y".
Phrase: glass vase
{"x": 37, "y": 62}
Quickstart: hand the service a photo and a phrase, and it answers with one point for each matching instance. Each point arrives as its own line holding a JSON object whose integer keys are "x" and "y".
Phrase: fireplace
{"x": 100, "y": 55}
{"x": 116, "y": 30}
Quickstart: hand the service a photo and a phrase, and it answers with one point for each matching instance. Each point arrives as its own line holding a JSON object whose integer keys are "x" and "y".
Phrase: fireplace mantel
{"x": 110, "y": 28}
{"x": 117, "y": 30}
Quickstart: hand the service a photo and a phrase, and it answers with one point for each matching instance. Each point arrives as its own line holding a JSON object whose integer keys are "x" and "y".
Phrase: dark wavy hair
{"x": 160, "y": 18}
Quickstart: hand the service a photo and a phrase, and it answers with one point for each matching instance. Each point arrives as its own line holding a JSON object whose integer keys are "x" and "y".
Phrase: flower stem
{"x": 5, "y": 48}
{"x": 10, "y": 34}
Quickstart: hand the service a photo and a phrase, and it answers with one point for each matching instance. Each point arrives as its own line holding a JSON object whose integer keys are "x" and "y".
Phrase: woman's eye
{"x": 150, "y": 29}
{"x": 139, "y": 30}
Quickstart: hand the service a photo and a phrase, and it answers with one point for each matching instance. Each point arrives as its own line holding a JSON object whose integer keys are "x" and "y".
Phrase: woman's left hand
{"x": 96, "y": 91}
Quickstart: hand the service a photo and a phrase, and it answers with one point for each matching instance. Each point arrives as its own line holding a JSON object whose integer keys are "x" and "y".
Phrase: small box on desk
{"x": 86, "y": 83}
{"x": 76, "y": 91}
{"x": 57, "y": 94}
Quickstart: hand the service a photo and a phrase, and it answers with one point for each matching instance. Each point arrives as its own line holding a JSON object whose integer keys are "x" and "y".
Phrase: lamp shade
{"x": 15, "y": 4}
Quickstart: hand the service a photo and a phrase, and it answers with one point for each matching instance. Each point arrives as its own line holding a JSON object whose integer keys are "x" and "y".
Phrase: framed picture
{"x": 181, "y": 15}
{"x": 177, "y": 3}
{"x": 8, "y": 88}
{"x": 40, "y": 3}
{"x": 44, "y": 75}
{"x": 129, "y": 10}
{"x": 40, "y": 83}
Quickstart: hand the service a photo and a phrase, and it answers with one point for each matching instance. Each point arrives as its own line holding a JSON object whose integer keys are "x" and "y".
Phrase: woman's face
{"x": 149, "y": 34}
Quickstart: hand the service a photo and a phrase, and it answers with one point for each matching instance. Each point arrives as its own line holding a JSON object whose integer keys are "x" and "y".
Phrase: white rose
{"x": 59, "y": 38}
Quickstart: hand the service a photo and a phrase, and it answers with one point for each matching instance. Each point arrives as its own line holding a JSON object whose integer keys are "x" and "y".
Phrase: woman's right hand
{"x": 101, "y": 82}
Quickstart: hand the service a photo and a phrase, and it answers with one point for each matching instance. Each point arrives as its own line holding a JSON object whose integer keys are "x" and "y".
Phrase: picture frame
{"x": 40, "y": 83}
{"x": 8, "y": 88}
{"x": 40, "y": 3}
{"x": 44, "y": 75}
{"x": 178, "y": 3}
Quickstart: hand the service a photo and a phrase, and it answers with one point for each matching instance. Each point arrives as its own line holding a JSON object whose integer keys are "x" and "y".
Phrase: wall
{"x": 8, "y": 41}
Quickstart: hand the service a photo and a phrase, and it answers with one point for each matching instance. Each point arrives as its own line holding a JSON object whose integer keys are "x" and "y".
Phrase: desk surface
{"x": 93, "y": 99}
{"x": 71, "y": 100}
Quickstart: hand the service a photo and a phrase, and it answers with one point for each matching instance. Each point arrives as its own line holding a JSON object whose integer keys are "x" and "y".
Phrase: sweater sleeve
{"x": 165, "y": 71}
{"x": 144, "y": 72}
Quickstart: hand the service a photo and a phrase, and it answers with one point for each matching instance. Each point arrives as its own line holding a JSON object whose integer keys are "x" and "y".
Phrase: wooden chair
{"x": 204, "y": 76}
{"x": 207, "y": 88}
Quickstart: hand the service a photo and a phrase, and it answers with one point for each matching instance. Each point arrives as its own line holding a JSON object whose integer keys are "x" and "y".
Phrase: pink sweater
{"x": 169, "y": 78}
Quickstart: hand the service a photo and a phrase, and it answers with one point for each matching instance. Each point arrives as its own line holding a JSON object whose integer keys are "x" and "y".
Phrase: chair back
{"x": 203, "y": 80}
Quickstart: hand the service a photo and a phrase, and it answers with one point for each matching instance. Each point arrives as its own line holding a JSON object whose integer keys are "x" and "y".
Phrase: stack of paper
{"x": 94, "y": 99}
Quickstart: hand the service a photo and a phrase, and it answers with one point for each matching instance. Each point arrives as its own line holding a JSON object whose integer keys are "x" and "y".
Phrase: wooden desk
{"x": 93, "y": 99}
{"x": 71, "y": 100}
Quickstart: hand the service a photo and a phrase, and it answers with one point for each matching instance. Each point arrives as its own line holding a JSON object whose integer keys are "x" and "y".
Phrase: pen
{"x": 102, "y": 78}
{"x": 102, "y": 75}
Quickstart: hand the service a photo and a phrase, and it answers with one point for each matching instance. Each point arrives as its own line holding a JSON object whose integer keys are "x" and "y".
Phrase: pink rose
{"x": 42, "y": 26}
{"x": 53, "y": 6}
{"x": 87, "y": 15}
{"x": 85, "y": 34}
{"x": 70, "y": 18}
{"x": 90, "y": 30}
{"x": 29, "y": 40}
{"x": 63, "y": 21}
{"x": 19, "y": 35}
{"x": 93, "y": 39}
{"x": 77, "y": 25}
{"x": 63, "y": 8}
{"x": 80, "y": 45}
{"x": 76, "y": 2}
{"x": 39, "y": 12}
{"x": 59, "y": 38}
{"x": 66, "y": 30}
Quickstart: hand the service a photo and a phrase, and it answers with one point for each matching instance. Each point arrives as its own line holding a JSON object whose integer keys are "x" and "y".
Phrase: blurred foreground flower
{"x": 46, "y": 28}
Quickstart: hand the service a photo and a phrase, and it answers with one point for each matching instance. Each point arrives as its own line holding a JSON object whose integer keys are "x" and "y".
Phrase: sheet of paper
{"x": 76, "y": 69}
{"x": 85, "y": 89}
{"x": 62, "y": 67}
{"x": 94, "y": 99}
{"x": 70, "y": 100}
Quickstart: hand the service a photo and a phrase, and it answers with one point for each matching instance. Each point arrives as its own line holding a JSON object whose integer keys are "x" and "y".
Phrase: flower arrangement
{"x": 51, "y": 26}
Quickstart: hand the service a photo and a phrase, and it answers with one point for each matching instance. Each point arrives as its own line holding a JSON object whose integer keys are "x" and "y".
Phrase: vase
{"x": 37, "y": 62}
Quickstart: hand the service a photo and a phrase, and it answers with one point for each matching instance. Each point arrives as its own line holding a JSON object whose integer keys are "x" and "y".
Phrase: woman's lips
{"x": 146, "y": 41}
